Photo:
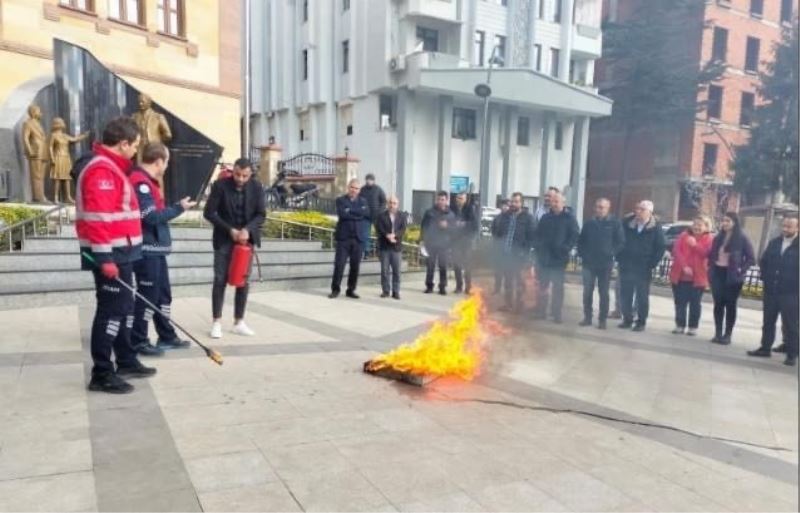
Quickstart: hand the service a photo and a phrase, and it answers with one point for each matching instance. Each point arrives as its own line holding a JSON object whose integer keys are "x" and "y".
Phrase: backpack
{"x": 79, "y": 165}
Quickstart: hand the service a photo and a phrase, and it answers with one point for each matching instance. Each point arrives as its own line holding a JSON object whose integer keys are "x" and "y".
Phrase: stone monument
{"x": 61, "y": 160}
{"x": 35, "y": 144}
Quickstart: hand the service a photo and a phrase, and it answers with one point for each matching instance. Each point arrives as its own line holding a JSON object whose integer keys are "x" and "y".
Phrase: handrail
{"x": 7, "y": 232}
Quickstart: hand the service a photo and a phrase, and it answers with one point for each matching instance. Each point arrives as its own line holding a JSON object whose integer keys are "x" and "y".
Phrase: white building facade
{"x": 392, "y": 82}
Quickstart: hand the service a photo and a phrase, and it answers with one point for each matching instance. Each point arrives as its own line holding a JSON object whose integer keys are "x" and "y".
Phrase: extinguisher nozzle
{"x": 215, "y": 356}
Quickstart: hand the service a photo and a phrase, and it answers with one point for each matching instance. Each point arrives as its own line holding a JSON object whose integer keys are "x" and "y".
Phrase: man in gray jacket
{"x": 437, "y": 228}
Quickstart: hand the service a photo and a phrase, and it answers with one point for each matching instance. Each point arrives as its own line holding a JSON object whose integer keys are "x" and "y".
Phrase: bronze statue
{"x": 153, "y": 127}
{"x": 60, "y": 159}
{"x": 35, "y": 145}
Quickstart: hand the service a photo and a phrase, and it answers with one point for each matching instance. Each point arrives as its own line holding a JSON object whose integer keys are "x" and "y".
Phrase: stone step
{"x": 70, "y": 245}
{"x": 16, "y": 262}
{"x": 177, "y": 232}
{"x": 26, "y": 282}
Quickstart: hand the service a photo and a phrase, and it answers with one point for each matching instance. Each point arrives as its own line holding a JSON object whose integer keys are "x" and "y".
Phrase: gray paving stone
{"x": 61, "y": 492}
{"x": 231, "y": 470}
{"x": 268, "y": 497}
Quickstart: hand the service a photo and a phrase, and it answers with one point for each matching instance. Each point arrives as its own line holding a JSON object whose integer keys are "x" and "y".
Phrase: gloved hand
{"x": 109, "y": 270}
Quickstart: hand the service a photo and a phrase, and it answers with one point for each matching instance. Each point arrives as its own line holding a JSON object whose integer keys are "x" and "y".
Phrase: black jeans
{"x": 346, "y": 250}
{"x": 635, "y": 282}
{"x": 551, "y": 283}
{"x": 152, "y": 281}
{"x": 113, "y": 320}
{"x": 602, "y": 277}
{"x": 436, "y": 256}
{"x": 390, "y": 268}
{"x": 222, "y": 261}
{"x": 725, "y": 295}
{"x": 462, "y": 267}
{"x": 687, "y": 296}
{"x": 785, "y": 305}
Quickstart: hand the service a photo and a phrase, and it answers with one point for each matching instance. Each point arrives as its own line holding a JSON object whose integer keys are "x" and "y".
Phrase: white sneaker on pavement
{"x": 240, "y": 328}
{"x": 216, "y": 329}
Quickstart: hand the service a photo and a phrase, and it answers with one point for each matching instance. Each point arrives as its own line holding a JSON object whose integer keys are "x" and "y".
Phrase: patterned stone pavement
{"x": 290, "y": 423}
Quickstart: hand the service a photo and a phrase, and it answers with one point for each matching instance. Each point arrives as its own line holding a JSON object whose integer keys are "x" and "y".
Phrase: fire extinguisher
{"x": 239, "y": 268}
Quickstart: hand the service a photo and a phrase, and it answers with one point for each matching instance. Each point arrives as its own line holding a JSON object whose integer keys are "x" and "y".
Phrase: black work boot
{"x": 135, "y": 369}
{"x": 148, "y": 349}
{"x": 109, "y": 383}
{"x": 780, "y": 349}
{"x": 175, "y": 343}
{"x": 762, "y": 352}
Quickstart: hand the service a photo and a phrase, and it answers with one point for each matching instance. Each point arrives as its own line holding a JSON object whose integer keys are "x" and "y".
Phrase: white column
{"x": 566, "y": 39}
{"x": 511, "y": 117}
{"x": 580, "y": 151}
{"x": 405, "y": 147}
{"x": 445, "y": 137}
{"x": 548, "y": 125}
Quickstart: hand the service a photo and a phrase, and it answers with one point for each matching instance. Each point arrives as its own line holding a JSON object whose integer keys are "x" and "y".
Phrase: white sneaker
{"x": 216, "y": 330}
{"x": 240, "y": 328}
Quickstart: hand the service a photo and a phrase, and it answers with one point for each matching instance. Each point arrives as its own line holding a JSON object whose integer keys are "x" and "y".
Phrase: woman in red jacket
{"x": 689, "y": 273}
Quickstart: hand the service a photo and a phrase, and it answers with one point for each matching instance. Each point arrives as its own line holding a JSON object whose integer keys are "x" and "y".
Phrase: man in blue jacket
{"x": 152, "y": 272}
{"x": 352, "y": 210}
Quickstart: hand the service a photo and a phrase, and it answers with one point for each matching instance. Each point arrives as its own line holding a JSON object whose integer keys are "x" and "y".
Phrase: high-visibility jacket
{"x": 107, "y": 211}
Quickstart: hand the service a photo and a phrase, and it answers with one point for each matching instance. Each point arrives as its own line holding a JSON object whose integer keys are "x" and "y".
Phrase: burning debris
{"x": 454, "y": 346}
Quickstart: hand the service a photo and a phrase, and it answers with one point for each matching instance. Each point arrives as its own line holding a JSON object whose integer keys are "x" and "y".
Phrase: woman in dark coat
{"x": 730, "y": 258}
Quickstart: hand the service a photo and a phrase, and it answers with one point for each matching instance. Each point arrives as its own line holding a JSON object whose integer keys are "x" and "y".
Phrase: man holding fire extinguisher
{"x": 236, "y": 208}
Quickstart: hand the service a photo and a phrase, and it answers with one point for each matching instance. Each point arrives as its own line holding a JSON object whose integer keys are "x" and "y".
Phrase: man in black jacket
{"x": 514, "y": 232}
{"x": 556, "y": 235}
{"x": 352, "y": 211}
{"x": 779, "y": 272}
{"x": 376, "y": 201}
{"x": 236, "y": 208}
{"x": 497, "y": 248}
{"x": 644, "y": 246}
{"x": 436, "y": 229}
{"x": 465, "y": 233}
{"x": 391, "y": 227}
{"x": 600, "y": 240}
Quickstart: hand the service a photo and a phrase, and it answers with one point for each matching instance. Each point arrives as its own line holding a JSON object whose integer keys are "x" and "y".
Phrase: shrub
{"x": 413, "y": 233}
{"x": 274, "y": 229}
{"x": 17, "y": 213}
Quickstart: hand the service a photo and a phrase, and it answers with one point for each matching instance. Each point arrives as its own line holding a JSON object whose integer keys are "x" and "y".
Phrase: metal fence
{"x": 310, "y": 202}
{"x": 48, "y": 223}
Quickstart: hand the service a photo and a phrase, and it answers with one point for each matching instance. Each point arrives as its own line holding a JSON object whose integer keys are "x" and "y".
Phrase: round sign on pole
{"x": 483, "y": 90}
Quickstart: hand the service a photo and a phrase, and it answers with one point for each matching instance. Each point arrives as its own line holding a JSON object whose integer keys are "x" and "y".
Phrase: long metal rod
{"x": 247, "y": 73}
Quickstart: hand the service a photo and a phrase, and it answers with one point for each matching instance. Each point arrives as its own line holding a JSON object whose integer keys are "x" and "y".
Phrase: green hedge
{"x": 15, "y": 214}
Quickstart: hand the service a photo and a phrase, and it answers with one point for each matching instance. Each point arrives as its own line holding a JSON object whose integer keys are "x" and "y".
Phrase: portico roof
{"x": 513, "y": 86}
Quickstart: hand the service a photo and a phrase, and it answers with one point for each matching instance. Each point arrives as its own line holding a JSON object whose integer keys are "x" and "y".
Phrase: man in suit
{"x": 352, "y": 210}
{"x": 466, "y": 231}
{"x": 236, "y": 208}
{"x": 391, "y": 227}
{"x": 436, "y": 229}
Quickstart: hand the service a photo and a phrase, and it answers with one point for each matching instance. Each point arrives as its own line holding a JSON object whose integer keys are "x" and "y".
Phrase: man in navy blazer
{"x": 352, "y": 211}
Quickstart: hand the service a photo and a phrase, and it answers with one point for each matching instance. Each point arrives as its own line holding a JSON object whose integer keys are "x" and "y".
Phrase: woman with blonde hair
{"x": 689, "y": 274}
{"x": 61, "y": 161}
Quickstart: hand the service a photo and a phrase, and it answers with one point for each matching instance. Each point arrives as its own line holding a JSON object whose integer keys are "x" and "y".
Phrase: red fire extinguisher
{"x": 239, "y": 268}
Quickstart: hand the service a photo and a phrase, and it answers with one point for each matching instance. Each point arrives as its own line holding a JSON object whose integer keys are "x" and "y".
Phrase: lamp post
{"x": 485, "y": 91}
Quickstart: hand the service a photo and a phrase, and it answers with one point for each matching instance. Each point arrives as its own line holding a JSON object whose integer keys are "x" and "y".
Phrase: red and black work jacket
{"x": 107, "y": 211}
{"x": 157, "y": 239}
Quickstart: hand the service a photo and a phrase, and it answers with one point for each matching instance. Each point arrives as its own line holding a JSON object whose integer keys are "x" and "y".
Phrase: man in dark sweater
{"x": 437, "y": 228}
{"x": 352, "y": 211}
{"x": 600, "y": 240}
{"x": 376, "y": 201}
{"x": 556, "y": 235}
{"x": 465, "y": 233}
{"x": 779, "y": 272}
{"x": 513, "y": 230}
{"x": 391, "y": 228}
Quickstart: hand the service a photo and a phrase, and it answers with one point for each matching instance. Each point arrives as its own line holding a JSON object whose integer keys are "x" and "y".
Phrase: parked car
{"x": 487, "y": 216}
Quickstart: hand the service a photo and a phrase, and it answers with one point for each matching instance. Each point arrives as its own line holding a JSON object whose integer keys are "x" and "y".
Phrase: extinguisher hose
{"x": 258, "y": 264}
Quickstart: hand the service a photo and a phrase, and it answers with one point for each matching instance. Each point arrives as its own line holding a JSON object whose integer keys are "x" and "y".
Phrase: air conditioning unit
{"x": 397, "y": 63}
{"x": 386, "y": 122}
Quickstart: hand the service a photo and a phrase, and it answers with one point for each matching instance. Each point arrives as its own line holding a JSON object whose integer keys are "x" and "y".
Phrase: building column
{"x": 405, "y": 147}
{"x": 509, "y": 146}
{"x": 548, "y": 125}
{"x": 445, "y": 138}
{"x": 580, "y": 150}
{"x": 566, "y": 39}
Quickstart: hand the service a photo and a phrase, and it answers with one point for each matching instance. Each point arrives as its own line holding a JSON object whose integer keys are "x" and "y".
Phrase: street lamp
{"x": 485, "y": 91}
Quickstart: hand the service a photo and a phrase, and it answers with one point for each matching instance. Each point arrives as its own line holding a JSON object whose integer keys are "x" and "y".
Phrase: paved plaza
{"x": 563, "y": 418}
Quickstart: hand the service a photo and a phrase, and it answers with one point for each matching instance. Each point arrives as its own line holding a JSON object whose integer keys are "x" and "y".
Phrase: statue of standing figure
{"x": 35, "y": 146}
{"x": 61, "y": 161}
{"x": 153, "y": 127}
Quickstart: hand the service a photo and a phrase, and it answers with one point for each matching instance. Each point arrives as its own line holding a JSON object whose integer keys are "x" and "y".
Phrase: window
{"x": 748, "y": 106}
{"x": 541, "y": 9}
{"x": 504, "y": 3}
{"x": 387, "y": 107}
{"x": 349, "y": 130}
{"x": 500, "y": 42}
{"x": 428, "y": 38}
{"x": 714, "y": 105}
{"x": 559, "y": 138}
{"x": 345, "y": 56}
{"x": 786, "y": 11}
{"x": 557, "y": 11}
{"x": 751, "y": 57}
{"x": 463, "y": 123}
{"x": 130, "y": 11}
{"x": 555, "y": 56}
{"x": 305, "y": 64}
{"x": 710, "y": 158}
{"x": 523, "y": 131}
{"x": 170, "y": 16}
{"x": 537, "y": 57}
{"x": 305, "y": 10}
{"x": 345, "y": 5}
{"x": 480, "y": 43}
{"x": 757, "y": 8}
{"x": 83, "y": 5}
{"x": 719, "y": 47}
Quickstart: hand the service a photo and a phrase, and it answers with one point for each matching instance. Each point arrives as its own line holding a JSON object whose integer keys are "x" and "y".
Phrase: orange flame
{"x": 451, "y": 347}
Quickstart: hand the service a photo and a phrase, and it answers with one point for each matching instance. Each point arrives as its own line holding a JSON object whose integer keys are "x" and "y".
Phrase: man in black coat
{"x": 436, "y": 229}
{"x": 555, "y": 236}
{"x": 600, "y": 240}
{"x": 514, "y": 230}
{"x": 644, "y": 246}
{"x": 465, "y": 232}
{"x": 391, "y": 227}
{"x": 779, "y": 272}
{"x": 497, "y": 248}
{"x": 236, "y": 208}
{"x": 376, "y": 201}
{"x": 352, "y": 211}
